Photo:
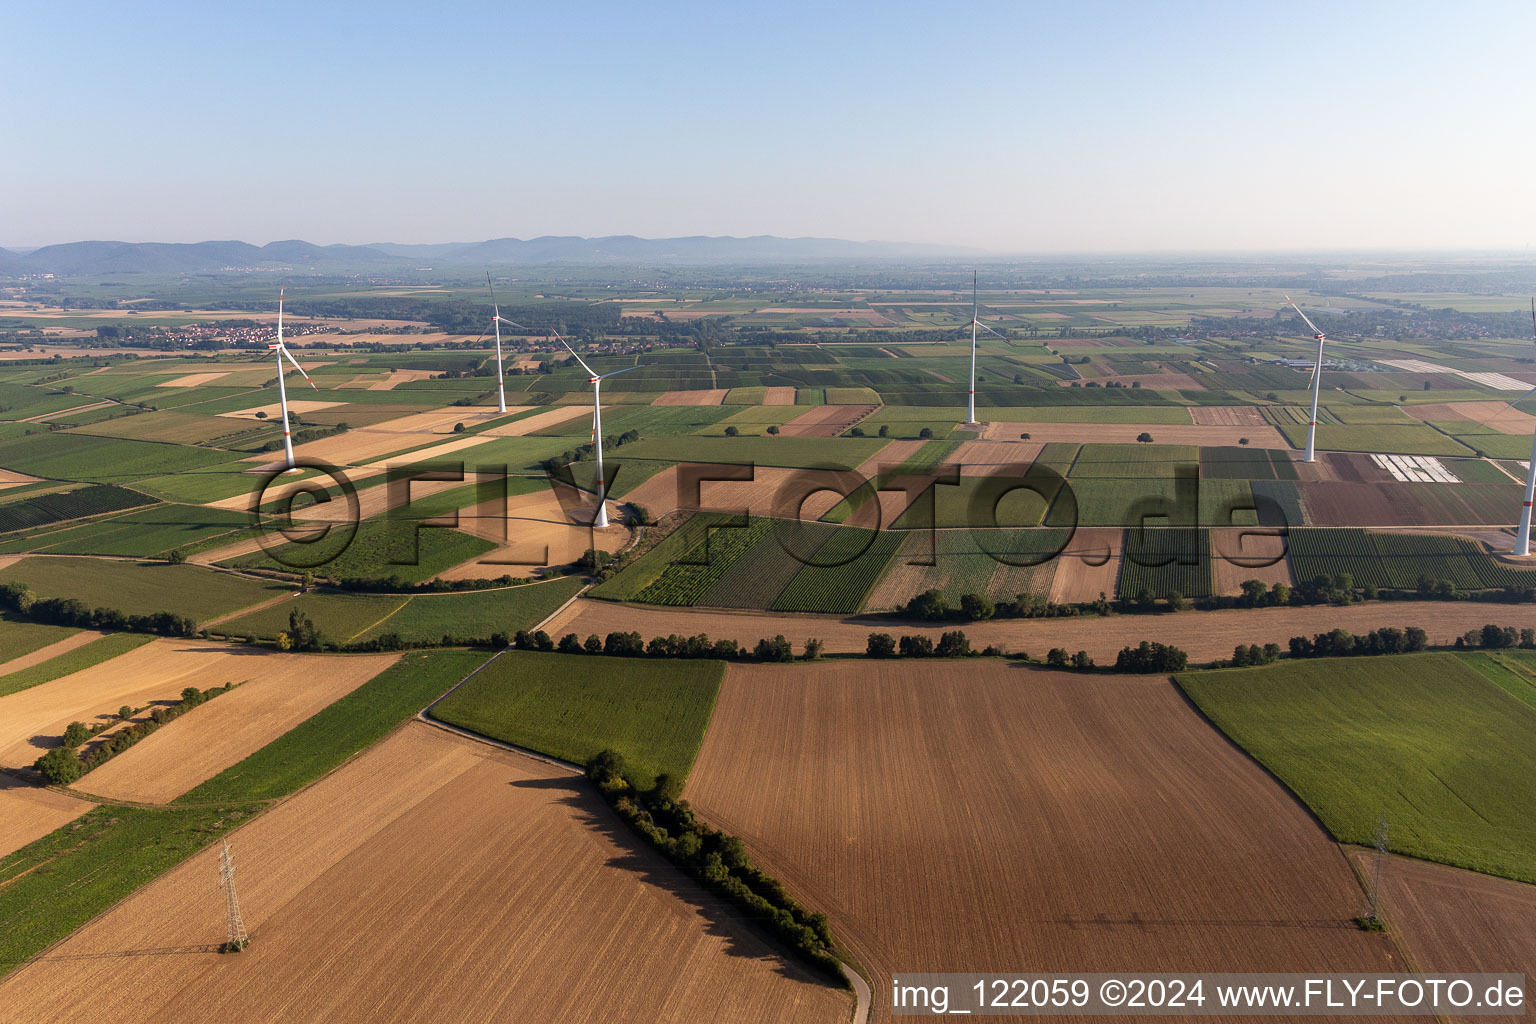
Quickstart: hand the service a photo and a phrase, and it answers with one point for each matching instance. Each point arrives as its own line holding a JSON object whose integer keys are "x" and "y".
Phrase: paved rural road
{"x": 1204, "y": 635}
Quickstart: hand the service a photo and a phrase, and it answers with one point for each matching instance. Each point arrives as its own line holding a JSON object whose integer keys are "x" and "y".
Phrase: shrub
{"x": 1056, "y": 657}
{"x": 773, "y": 429}
{"x": 812, "y": 649}
{"x": 60, "y": 766}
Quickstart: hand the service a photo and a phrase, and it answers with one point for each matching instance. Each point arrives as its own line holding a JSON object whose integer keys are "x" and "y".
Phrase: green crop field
{"x": 60, "y": 506}
{"x": 649, "y": 567}
{"x": 19, "y": 637}
{"x": 1166, "y": 561}
{"x": 1514, "y": 672}
{"x": 1389, "y": 439}
{"x": 146, "y": 533}
{"x": 140, "y": 588}
{"x": 1152, "y": 414}
{"x": 574, "y": 706}
{"x": 105, "y": 460}
{"x": 1399, "y": 560}
{"x": 706, "y": 562}
{"x": 762, "y": 572}
{"x": 1133, "y": 461}
{"x": 339, "y": 616}
{"x": 841, "y": 574}
{"x": 381, "y": 549}
{"x": 82, "y": 657}
{"x": 477, "y": 613}
{"x": 315, "y": 746}
{"x": 1424, "y": 739}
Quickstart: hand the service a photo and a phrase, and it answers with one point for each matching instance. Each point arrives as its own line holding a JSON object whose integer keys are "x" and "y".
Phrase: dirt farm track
{"x": 413, "y": 885}
{"x": 1204, "y": 635}
{"x": 1005, "y": 818}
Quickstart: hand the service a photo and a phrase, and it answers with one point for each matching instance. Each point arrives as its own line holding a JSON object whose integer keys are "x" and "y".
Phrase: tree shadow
{"x": 743, "y": 936}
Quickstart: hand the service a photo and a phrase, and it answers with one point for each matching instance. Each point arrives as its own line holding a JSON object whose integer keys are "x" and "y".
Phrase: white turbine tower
{"x": 1523, "y": 537}
{"x": 975, "y": 323}
{"x": 496, "y": 321}
{"x": 596, "y": 380}
{"x": 282, "y": 389}
{"x": 1316, "y": 382}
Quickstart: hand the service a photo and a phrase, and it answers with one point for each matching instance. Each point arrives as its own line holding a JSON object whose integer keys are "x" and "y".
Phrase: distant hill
{"x": 82, "y": 259}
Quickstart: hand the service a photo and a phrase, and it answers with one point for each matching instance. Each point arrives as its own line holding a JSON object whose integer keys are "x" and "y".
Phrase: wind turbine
{"x": 596, "y": 380}
{"x": 496, "y": 321}
{"x": 975, "y": 323}
{"x": 1523, "y": 537}
{"x": 282, "y": 389}
{"x": 1316, "y": 382}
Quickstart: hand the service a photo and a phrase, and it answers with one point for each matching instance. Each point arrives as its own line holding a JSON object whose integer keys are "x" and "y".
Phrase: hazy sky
{"x": 1012, "y": 126}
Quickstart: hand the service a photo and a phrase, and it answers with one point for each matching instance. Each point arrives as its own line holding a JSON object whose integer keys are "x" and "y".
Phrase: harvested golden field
{"x": 758, "y": 496}
{"x": 957, "y": 820}
{"x": 825, "y": 420}
{"x": 400, "y": 377}
{"x": 1205, "y": 635}
{"x": 1089, "y": 566}
{"x": 27, "y": 813}
{"x": 1229, "y": 542}
{"x": 1227, "y": 416}
{"x": 996, "y": 453}
{"x": 703, "y": 396}
{"x": 1454, "y": 920}
{"x": 779, "y": 395}
{"x": 192, "y": 380}
{"x": 277, "y": 692}
{"x": 414, "y": 884}
{"x": 11, "y": 478}
{"x": 32, "y": 720}
{"x": 282, "y": 488}
{"x": 1260, "y": 436}
{"x": 53, "y": 650}
{"x": 540, "y": 420}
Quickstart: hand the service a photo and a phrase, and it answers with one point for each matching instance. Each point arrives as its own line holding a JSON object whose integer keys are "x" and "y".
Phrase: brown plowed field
{"x": 273, "y": 410}
{"x": 957, "y": 820}
{"x": 359, "y": 447}
{"x": 32, "y": 720}
{"x": 779, "y": 395}
{"x": 757, "y": 496}
{"x": 825, "y": 420}
{"x": 276, "y": 693}
{"x": 703, "y": 396}
{"x": 1405, "y": 504}
{"x": 996, "y": 453}
{"x": 1340, "y": 467}
{"x": 1089, "y": 566}
{"x": 1454, "y": 920}
{"x": 431, "y": 879}
{"x": 1229, "y": 541}
{"x": 1205, "y": 635}
{"x": 1497, "y": 415}
{"x": 539, "y": 531}
{"x": 1261, "y": 436}
{"x": 27, "y": 813}
{"x": 1227, "y": 416}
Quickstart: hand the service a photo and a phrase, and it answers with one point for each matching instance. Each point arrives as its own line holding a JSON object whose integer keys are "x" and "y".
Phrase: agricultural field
{"x": 152, "y": 532}
{"x": 60, "y": 506}
{"x": 81, "y": 651}
{"x": 652, "y": 712}
{"x": 140, "y": 588}
{"x": 1400, "y": 559}
{"x": 381, "y": 549}
{"x": 601, "y": 927}
{"x": 102, "y": 460}
{"x": 20, "y": 637}
{"x": 998, "y": 564}
{"x": 1163, "y": 562}
{"x": 903, "y": 825}
{"x": 473, "y": 613}
{"x": 1424, "y": 739}
{"x": 272, "y": 695}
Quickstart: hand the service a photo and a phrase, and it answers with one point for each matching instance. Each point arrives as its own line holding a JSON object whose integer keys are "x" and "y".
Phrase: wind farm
{"x": 673, "y": 602}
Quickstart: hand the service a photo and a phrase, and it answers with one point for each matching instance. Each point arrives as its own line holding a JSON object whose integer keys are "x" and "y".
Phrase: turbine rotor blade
{"x": 590, "y": 372}
{"x": 1315, "y": 332}
{"x": 510, "y": 323}
{"x": 989, "y": 330}
{"x": 284, "y": 350}
{"x": 615, "y": 373}
{"x": 495, "y": 310}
